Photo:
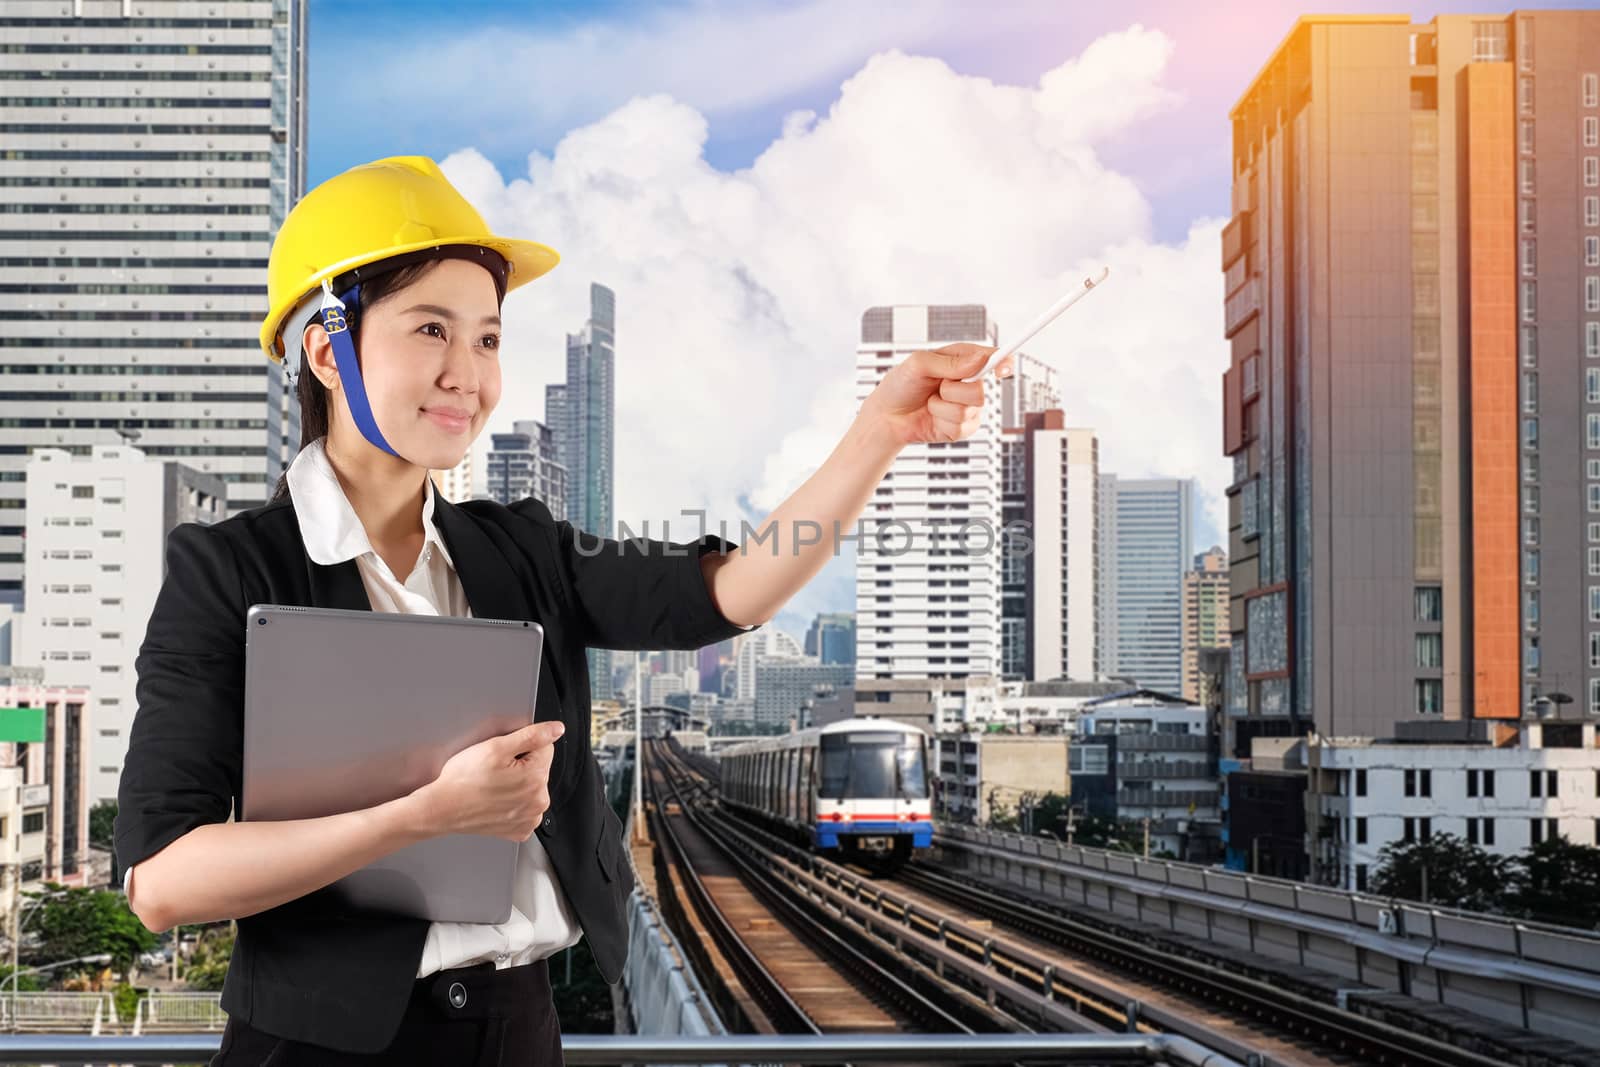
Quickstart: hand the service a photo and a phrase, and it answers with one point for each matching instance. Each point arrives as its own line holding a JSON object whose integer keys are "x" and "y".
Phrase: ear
{"x": 319, "y": 356}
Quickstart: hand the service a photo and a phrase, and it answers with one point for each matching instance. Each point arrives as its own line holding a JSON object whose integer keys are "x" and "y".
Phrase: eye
{"x": 490, "y": 341}
{"x": 426, "y": 327}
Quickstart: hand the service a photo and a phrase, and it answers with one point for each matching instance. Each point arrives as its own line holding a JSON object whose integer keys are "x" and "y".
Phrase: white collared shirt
{"x": 541, "y": 921}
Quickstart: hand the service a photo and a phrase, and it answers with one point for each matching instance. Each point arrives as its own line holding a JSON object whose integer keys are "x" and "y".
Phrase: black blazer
{"x": 310, "y": 970}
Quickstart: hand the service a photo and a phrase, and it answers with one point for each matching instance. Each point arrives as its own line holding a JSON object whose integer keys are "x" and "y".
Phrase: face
{"x": 430, "y": 361}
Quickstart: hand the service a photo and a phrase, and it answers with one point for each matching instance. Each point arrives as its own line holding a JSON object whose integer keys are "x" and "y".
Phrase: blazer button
{"x": 458, "y": 994}
{"x": 549, "y": 824}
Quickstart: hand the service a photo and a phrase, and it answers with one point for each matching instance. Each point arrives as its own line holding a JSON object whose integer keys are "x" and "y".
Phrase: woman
{"x": 392, "y": 254}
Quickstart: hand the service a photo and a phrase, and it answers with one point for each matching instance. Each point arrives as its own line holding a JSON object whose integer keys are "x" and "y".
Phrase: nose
{"x": 460, "y": 370}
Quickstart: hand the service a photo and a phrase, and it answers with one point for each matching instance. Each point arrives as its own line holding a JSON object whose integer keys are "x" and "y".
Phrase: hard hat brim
{"x": 526, "y": 260}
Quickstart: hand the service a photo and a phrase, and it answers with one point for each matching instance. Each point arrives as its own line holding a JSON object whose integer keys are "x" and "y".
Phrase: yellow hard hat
{"x": 372, "y": 212}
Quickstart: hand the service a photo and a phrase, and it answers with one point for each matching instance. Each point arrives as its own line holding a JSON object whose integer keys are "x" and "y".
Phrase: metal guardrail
{"x": 584, "y": 1050}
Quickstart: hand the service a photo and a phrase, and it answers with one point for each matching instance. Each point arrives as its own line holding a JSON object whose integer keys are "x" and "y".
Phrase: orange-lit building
{"x": 1412, "y": 404}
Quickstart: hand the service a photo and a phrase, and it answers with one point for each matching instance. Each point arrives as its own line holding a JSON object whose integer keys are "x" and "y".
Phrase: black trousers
{"x": 462, "y": 1017}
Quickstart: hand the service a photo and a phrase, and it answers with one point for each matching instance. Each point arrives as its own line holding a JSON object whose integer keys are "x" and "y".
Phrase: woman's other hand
{"x": 498, "y": 787}
{"x": 922, "y": 398}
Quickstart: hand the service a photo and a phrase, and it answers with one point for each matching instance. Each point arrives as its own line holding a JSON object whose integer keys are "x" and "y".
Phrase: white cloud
{"x": 739, "y": 295}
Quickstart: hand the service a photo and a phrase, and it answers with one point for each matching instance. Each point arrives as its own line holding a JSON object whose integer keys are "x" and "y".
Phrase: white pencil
{"x": 1041, "y": 322}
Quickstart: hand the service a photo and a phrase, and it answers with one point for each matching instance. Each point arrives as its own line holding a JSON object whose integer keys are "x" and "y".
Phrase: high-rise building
{"x": 1145, "y": 546}
{"x": 149, "y": 158}
{"x": 96, "y": 537}
{"x": 1205, "y": 619}
{"x": 1413, "y": 302}
{"x": 1055, "y": 563}
{"x": 832, "y": 638}
{"x": 928, "y": 564}
{"x": 1030, "y": 390}
{"x": 581, "y": 413}
{"x": 523, "y": 463}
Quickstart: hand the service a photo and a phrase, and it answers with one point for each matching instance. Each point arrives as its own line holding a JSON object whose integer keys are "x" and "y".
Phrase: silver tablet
{"x": 348, "y": 709}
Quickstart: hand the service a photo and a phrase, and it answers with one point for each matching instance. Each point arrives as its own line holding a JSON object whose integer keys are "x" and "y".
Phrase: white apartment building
{"x": 1503, "y": 786}
{"x": 151, "y": 149}
{"x": 1145, "y": 756}
{"x": 753, "y": 647}
{"x": 97, "y": 529}
{"x": 1064, "y": 511}
{"x": 928, "y": 597}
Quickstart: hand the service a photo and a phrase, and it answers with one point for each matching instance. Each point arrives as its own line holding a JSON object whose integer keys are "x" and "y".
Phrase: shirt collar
{"x": 329, "y": 526}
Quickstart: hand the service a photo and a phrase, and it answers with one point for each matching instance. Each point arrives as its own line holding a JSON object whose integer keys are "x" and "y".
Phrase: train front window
{"x": 871, "y": 765}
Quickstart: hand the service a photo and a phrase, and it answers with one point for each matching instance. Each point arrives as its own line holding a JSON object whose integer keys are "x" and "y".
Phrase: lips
{"x": 454, "y": 420}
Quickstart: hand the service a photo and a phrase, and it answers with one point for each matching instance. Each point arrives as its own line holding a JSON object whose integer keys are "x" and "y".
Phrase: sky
{"x": 749, "y": 177}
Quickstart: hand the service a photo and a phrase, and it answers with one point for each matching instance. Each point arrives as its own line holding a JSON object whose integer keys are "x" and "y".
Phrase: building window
{"x": 1429, "y": 602}
{"x": 1591, "y": 384}
{"x": 1530, "y": 433}
{"x": 1530, "y": 531}
{"x": 1408, "y": 829}
{"x": 1472, "y": 831}
{"x": 1530, "y": 301}
{"x": 1487, "y": 779}
{"x": 1530, "y": 608}
{"x": 1488, "y": 42}
{"x": 33, "y": 822}
{"x": 1552, "y": 783}
{"x": 1525, "y": 170}
{"x": 1361, "y": 873}
{"x": 1594, "y": 498}
{"x": 1591, "y": 340}
{"x": 1591, "y": 132}
{"x": 1592, "y": 431}
{"x": 1429, "y": 696}
{"x": 1541, "y": 830}
{"x": 1591, "y": 171}
{"x": 1530, "y": 655}
{"x": 1594, "y": 650}
{"x": 1591, "y": 293}
{"x": 1525, "y": 95}
{"x": 1530, "y": 347}
{"x": 1591, "y": 251}
{"x": 1530, "y": 499}
{"x": 1594, "y": 603}
{"x": 1594, "y": 688}
{"x": 1411, "y": 783}
{"x": 1472, "y": 783}
{"x": 1594, "y": 561}
{"x": 1591, "y": 211}
{"x": 1591, "y": 90}
{"x": 1361, "y": 831}
{"x": 1430, "y": 651}
{"x": 1530, "y": 466}
{"x": 1530, "y": 392}
{"x": 1361, "y": 782}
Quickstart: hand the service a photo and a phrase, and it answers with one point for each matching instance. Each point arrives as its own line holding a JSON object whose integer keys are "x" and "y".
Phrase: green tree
{"x": 73, "y": 921}
{"x": 1445, "y": 870}
{"x": 207, "y": 965}
{"x": 101, "y": 818}
{"x": 1559, "y": 883}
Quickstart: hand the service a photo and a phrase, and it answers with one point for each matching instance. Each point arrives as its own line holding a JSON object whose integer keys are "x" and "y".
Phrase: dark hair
{"x": 309, "y": 390}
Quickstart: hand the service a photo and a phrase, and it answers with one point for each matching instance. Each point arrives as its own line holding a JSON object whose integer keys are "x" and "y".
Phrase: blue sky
{"x": 1181, "y": 158}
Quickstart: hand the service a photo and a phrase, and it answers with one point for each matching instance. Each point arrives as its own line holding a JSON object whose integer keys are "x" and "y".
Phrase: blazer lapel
{"x": 490, "y": 584}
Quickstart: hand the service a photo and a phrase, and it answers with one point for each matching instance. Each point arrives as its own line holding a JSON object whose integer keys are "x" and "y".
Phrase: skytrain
{"x": 858, "y": 787}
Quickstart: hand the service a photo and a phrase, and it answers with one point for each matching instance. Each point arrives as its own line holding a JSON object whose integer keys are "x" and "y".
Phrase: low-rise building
{"x": 1503, "y": 786}
{"x": 983, "y": 775}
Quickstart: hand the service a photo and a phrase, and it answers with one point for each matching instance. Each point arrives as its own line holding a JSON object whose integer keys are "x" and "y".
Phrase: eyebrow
{"x": 446, "y": 313}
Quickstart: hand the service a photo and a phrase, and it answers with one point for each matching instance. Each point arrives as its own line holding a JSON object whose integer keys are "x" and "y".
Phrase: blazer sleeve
{"x": 185, "y": 748}
{"x": 636, "y": 594}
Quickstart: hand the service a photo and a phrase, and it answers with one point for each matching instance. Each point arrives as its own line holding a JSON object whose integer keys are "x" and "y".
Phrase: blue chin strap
{"x": 335, "y": 316}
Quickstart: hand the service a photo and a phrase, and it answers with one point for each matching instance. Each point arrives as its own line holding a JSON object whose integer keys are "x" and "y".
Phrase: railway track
{"x": 1028, "y": 956}
{"x": 764, "y": 980}
{"x": 936, "y": 987}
